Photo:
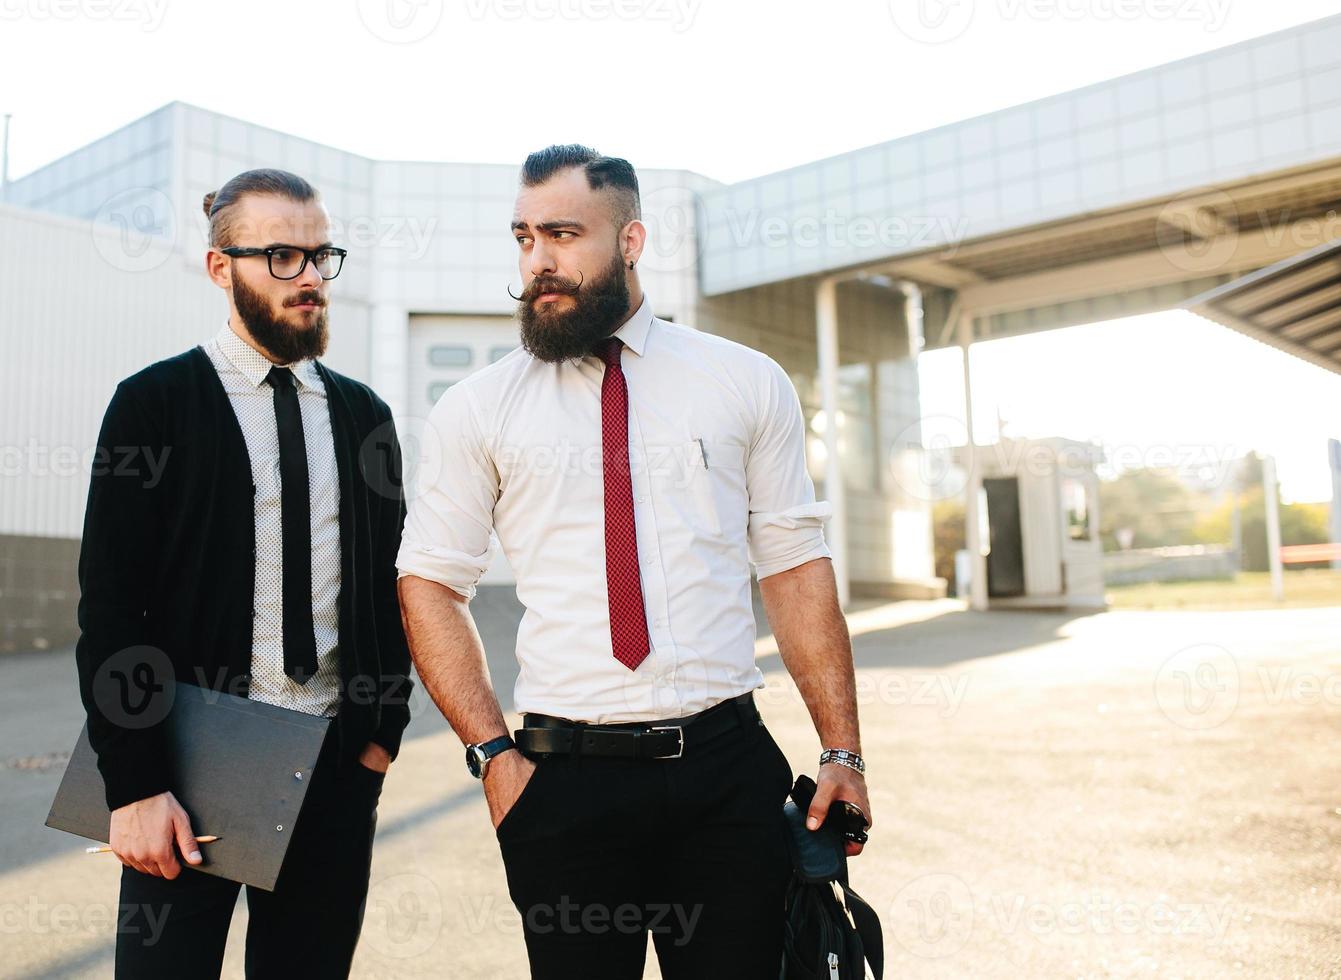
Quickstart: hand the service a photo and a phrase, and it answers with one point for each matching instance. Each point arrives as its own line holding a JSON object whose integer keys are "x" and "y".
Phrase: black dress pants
{"x": 600, "y": 851}
{"x": 307, "y": 927}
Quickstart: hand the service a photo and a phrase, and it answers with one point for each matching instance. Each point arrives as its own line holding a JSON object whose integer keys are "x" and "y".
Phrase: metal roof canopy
{"x": 1294, "y": 305}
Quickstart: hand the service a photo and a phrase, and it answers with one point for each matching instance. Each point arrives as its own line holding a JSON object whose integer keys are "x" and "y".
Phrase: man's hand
{"x": 838, "y": 783}
{"x": 375, "y": 757}
{"x": 504, "y": 780}
{"x": 143, "y": 833}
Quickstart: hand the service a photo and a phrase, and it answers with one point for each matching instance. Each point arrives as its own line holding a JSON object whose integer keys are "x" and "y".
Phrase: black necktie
{"x": 300, "y": 644}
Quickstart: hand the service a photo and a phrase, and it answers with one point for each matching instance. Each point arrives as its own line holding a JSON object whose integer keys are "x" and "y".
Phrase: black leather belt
{"x": 668, "y": 739}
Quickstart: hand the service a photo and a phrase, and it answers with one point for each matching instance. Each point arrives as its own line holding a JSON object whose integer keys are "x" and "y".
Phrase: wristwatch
{"x": 478, "y": 756}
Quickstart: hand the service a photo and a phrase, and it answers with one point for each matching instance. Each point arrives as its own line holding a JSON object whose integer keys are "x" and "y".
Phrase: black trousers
{"x": 601, "y": 851}
{"x": 307, "y": 927}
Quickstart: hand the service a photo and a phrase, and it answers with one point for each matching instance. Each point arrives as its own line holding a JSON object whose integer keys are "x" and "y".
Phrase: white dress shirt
{"x": 243, "y": 370}
{"x": 716, "y": 453}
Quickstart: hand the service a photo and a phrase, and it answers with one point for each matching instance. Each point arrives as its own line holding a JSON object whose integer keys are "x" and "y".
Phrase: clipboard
{"x": 241, "y": 770}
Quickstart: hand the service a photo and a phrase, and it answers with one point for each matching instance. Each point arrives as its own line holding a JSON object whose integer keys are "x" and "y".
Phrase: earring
{"x": 630, "y": 263}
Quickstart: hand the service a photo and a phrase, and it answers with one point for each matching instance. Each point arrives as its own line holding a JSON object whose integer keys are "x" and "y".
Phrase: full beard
{"x": 599, "y": 306}
{"x": 279, "y": 338}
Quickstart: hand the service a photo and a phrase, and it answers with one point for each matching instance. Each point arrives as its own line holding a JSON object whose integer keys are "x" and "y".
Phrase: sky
{"x": 728, "y": 88}
{"x": 1168, "y": 390}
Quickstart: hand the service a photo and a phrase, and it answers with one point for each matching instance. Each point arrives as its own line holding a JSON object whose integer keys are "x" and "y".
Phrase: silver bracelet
{"x": 844, "y": 757}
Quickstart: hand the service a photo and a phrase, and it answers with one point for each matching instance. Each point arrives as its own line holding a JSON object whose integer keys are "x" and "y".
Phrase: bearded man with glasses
{"x": 255, "y": 556}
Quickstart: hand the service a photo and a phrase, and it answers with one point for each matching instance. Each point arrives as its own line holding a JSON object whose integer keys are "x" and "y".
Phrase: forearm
{"x": 812, "y": 637}
{"x": 449, "y": 656}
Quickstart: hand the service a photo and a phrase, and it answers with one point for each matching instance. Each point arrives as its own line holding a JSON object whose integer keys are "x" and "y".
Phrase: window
{"x": 436, "y": 390}
{"x": 498, "y": 353}
{"x": 1075, "y": 501}
{"x": 447, "y": 356}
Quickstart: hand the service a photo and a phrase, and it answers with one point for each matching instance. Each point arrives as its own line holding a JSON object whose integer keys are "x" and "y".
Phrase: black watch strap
{"x": 494, "y": 746}
{"x": 478, "y": 756}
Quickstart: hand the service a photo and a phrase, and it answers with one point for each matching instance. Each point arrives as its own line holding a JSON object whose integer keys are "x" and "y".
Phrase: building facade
{"x": 1124, "y": 197}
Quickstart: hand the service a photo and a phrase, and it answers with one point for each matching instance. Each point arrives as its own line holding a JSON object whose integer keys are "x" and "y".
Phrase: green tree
{"x": 1153, "y": 503}
{"x": 1299, "y": 524}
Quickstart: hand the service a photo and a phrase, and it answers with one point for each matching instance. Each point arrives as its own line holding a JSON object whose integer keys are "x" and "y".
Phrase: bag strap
{"x": 868, "y": 927}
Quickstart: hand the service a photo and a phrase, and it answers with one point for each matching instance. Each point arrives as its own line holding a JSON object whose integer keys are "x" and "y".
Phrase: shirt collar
{"x": 254, "y": 365}
{"x": 636, "y": 328}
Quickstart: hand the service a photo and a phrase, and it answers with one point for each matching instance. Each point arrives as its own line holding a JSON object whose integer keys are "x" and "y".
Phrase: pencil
{"x": 207, "y": 839}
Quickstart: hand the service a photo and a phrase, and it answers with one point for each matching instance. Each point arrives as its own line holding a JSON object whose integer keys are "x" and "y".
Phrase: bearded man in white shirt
{"x": 633, "y": 469}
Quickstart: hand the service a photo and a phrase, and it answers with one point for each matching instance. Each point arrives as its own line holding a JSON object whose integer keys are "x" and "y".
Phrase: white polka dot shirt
{"x": 243, "y": 370}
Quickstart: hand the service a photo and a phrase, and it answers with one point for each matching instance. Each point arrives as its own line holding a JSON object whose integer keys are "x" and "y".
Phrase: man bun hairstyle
{"x": 603, "y": 173}
{"x": 219, "y": 205}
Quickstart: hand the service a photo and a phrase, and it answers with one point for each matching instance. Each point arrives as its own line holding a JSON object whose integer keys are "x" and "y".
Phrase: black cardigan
{"x": 167, "y": 565}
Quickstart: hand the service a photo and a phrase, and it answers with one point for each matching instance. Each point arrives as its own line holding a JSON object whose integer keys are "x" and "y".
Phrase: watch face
{"x": 474, "y": 760}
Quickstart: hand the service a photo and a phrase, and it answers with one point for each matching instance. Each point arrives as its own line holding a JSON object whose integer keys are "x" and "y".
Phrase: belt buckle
{"x": 679, "y": 751}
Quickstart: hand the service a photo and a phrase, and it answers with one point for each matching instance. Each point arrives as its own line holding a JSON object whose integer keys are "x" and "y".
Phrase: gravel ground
{"x": 1123, "y": 794}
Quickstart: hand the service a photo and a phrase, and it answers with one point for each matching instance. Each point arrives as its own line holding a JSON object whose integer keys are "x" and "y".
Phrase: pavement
{"x": 1117, "y": 794}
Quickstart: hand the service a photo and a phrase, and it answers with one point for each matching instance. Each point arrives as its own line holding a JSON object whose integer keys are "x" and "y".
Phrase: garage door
{"x": 445, "y": 349}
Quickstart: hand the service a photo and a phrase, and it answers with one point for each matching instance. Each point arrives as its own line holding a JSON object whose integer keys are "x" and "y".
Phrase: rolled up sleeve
{"x": 786, "y": 526}
{"x": 449, "y": 523}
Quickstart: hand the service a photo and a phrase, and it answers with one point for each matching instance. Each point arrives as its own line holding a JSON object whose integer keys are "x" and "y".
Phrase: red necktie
{"x": 628, "y": 619}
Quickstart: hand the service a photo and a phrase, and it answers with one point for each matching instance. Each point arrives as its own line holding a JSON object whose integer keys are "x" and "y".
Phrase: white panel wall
{"x": 82, "y": 307}
{"x": 79, "y": 312}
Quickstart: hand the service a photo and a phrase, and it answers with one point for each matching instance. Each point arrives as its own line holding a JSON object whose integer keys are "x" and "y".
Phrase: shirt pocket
{"x": 710, "y": 480}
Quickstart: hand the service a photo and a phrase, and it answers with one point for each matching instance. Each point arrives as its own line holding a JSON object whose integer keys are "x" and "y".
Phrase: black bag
{"x": 830, "y": 932}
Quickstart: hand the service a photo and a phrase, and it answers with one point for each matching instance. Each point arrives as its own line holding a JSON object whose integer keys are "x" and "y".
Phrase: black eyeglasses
{"x": 289, "y": 261}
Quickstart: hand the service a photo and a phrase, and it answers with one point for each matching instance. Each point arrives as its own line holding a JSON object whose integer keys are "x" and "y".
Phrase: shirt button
{"x": 640, "y": 498}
